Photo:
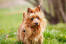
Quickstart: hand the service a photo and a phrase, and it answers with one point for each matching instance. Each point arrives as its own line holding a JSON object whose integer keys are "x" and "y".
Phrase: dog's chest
{"x": 36, "y": 39}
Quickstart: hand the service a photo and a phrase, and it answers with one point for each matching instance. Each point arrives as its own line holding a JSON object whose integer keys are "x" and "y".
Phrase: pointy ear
{"x": 38, "y": 8}
{"x": 24, "y": 15}
{"x": 30, "y": 10}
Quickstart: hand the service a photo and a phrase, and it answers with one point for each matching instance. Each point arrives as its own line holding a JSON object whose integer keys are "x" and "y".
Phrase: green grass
{"x": 55, "y": 34}
{"x": 9, "y": 23}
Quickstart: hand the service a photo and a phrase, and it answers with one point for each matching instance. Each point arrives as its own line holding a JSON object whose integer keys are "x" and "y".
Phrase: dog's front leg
{"x": 28, "y": 42}
{"x": 40, "y": 41}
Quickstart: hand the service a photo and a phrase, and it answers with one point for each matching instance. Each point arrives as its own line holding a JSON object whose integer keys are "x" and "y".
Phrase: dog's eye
{"x": 37, "y": 17}
{"x": 32, "y": 18}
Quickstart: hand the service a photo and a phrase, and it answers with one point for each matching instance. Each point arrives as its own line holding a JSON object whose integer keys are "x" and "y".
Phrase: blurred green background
{"x": 11, "y": 17}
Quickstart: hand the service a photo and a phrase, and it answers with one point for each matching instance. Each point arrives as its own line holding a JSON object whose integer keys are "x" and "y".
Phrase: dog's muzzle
{"x": 36, "y": 24}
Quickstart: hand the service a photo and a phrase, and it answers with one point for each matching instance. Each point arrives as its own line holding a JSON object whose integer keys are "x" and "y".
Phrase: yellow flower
{"x": 65, "y": 36}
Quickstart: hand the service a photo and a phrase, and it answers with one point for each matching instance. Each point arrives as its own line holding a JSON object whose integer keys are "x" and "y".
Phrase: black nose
{"x": 23, "y": 30}
{"x": 36, "y": 23}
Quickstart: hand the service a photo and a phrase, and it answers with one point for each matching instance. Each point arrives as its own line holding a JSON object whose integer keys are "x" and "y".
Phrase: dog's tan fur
{"x": 29, "y": 32}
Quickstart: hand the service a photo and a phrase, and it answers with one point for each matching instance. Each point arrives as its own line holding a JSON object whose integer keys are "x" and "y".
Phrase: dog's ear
{"x": 30, "y": 10}
{"x": 24, "y": 15}
{"x": 37, "y": 8}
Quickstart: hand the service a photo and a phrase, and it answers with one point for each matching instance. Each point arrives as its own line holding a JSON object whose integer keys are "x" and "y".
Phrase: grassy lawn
{"x": 9, "y": 23}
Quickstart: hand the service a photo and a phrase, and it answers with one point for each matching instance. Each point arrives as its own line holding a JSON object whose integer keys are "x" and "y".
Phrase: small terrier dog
{"x": 32, "y": 28}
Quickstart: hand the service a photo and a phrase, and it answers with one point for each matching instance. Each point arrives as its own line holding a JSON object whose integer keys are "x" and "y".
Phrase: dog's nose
{"x": 36, "y": 23}
{"x": 23, "y": 30}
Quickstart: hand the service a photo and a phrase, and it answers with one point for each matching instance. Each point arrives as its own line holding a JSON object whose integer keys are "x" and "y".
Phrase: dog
{"x": 32, "y": 28}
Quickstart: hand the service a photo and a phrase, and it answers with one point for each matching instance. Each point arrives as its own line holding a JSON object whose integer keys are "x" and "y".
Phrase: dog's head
{"x": 33, "y": 16}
